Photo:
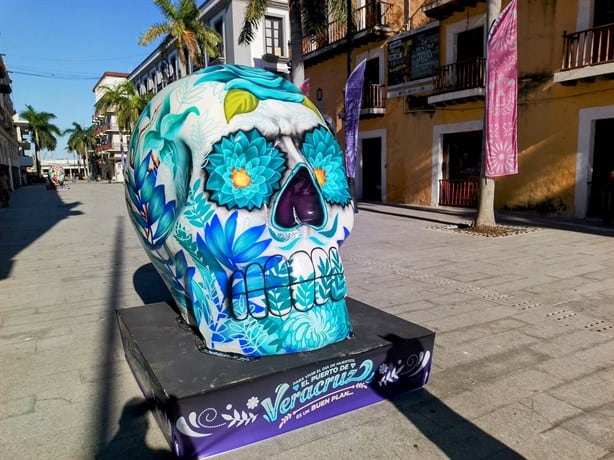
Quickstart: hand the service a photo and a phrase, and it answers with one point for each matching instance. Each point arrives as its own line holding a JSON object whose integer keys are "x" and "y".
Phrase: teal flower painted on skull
{"x": 244, "y": 170}
{"x": 325, "y": 156}
{"x": 315, "y": 328}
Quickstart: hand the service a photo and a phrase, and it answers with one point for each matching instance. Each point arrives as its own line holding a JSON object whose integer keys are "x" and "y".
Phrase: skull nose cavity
{"x": 300, "y": 202}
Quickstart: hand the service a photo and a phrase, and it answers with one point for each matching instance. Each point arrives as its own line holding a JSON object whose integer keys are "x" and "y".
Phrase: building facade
{"x": 421, "y": 126}
{"x": 105, "y": 163}
{"x": 13, "y": 142}
{"x": 269, "y": 50}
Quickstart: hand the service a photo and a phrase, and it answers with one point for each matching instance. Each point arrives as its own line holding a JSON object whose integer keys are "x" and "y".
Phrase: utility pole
{"x": 348, "y": 34}
{"x": 486, "y": 200}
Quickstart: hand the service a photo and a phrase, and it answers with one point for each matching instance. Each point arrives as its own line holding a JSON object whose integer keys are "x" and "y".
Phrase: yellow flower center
{"x": 240, "y": 178}
{"x": 320, "y": 176}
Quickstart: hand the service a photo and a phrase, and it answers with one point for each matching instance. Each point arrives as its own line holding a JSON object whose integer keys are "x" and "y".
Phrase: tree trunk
{"x": 37, "y": 161}
{"x": 486, "y": 207}
{"x": 296, "y": 43}
{"x": 86, "y": 165}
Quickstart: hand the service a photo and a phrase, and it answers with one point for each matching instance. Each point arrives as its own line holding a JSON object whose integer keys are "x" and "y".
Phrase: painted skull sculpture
{"x": 237, "y": 190}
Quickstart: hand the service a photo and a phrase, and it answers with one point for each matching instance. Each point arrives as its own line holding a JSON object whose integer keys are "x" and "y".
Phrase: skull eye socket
{"x": 326, "y": 158}
{"x": 244, "y": 170}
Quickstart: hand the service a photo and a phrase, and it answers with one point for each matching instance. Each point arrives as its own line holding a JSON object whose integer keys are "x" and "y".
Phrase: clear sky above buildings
{"x": 56, "y": 50}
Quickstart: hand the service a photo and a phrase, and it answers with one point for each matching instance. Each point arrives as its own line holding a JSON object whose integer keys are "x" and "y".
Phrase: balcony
{"x": 102, "y": 129}
{"x": 109, "y": 147}
{"x": 441, "y": 9}
{"x": 459, "y": 192}
{"x": 370, "y": 22}
{"x": 5, "y": 86}
{"x": 373, "y": 101}
{"x": 102, "y": 148}
{"x": 587, "y": 55}
{"x": 459, "y": 82}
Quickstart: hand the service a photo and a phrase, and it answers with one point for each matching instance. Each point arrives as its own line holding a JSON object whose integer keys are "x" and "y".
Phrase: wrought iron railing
{"x": 459, "y": 76}
{"x": 374, "y": 97}
{"x": 375, "y": 13}
{"x": 459, "y": 192}
{"x": 588, "y": 47}
{"x": 444, "y": 8}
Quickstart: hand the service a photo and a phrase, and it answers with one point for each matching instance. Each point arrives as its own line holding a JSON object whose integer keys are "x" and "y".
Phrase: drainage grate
{"x": 561, "y": 314}
{"x": 599, "y": 326}
{"x": 526, "y": 305}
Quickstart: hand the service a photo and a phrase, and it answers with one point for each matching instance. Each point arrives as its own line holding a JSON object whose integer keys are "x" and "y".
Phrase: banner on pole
{"x": 501, "y": 150}
{"x": 306, "y": 87}
{"x": 353, "y": 101}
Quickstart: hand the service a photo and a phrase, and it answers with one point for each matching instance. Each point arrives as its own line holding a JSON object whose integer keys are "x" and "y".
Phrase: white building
{"x": 269, "y": 50}
{"x": 106, "y": 161}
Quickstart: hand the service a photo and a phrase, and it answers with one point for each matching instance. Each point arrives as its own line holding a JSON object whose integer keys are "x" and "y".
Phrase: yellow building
{"x": 420, "y": 135}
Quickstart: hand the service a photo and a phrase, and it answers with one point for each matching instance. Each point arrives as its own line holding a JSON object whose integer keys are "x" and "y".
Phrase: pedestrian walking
{"x": 5, "y": 188}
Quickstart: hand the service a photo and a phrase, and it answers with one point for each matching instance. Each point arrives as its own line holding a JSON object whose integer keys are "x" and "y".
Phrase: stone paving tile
{"x": 550, "y": 408}
{"x": 464, "y": 377}
{"x": 489, "y": 300}
{"x": 469, "y": 333}
{"x": 528, "y": 433}
{"x": 573, "y": 341}
{"x": 581, "y": 363}
{"x": 592, "y": 391}
{"x": 597, "y": 426}
{"x": 494, "y": 394}
{"x": 470, "y": 318}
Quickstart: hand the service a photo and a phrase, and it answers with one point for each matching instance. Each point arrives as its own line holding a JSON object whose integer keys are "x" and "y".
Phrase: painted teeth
{"x": 282, "y": 284}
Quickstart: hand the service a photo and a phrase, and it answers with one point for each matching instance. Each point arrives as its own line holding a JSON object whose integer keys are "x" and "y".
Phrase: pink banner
{"x": 306, "y": 87}
{"x": 502, "y": 95}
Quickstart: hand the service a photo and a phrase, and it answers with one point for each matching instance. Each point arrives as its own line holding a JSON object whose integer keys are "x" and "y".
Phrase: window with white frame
{"x": 273, "y": 36}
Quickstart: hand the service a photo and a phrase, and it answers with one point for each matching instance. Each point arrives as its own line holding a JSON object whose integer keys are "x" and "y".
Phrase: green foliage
{"x": 238, "y": 101}
{"x": 182, "y": 26}
{"x": 125, "y": 101}
{"x": 43, "y": 131}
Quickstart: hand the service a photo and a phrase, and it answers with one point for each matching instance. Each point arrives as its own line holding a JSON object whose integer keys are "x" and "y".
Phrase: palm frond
{"x": 155, "y": 31}
{"x": 167, "y": 8}
{"x": 254, "y": 12}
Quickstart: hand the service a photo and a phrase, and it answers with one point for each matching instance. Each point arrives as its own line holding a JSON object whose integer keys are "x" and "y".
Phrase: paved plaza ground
{"x": 523, "y": 360}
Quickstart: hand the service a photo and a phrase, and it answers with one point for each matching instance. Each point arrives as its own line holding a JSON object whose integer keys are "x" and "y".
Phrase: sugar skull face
{"x": 56, "y": 175}
{"x": 238, "y": 193}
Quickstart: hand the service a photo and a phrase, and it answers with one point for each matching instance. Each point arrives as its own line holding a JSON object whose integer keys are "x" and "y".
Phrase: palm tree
{"x": 310, "y": 16}
{"x": 81, "y": 140}
{"x": 127, "y": 104}
{"x": 43, "y": 132}
{"x": 125, "y": 101}
{"x": 183, "y": 27}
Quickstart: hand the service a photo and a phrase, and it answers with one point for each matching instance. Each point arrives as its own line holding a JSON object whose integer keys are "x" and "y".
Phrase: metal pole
{"x": 348, "y": 34}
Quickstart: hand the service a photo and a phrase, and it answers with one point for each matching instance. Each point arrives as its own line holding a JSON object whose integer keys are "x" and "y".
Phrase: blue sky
{"x": 76, "y": 41}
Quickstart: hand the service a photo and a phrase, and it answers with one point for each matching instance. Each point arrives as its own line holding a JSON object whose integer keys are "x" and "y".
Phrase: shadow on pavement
{"x": 110, "y": 342}
{"x": 34, "y": 211}
{"x": 456, "y": 436}
{"x": 446, "y": 216}
{"x": 129, "y": 441}
{"x": 149, "y": 285}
